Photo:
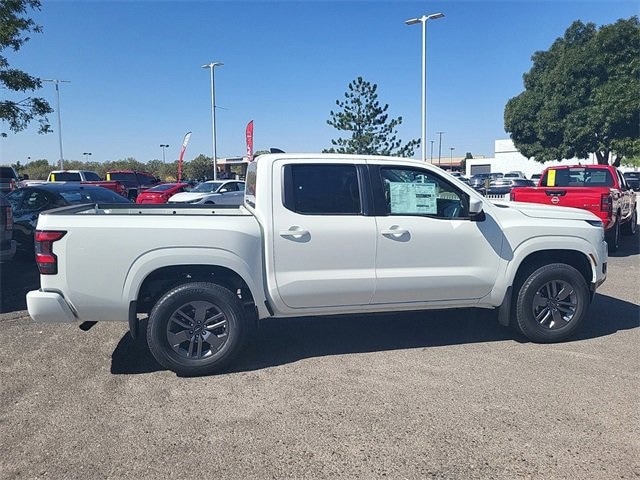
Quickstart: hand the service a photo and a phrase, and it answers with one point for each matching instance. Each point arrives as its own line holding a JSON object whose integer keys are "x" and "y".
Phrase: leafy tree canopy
{"x": 581, "y": 96}
{"x": 372, "y": 132}
{"x": 14, "y": 28}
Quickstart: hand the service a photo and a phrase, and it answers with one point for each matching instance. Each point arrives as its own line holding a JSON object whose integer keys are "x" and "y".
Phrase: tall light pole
{"x": 163, "y": 146}
{"x": 86, "y": 156}
{"x": 432, "y": 151}
{"x": 439, "y": 146}
{"x": 211, "y": 66}
{"x": 423, "y": 20}
{"x": 57, "y": 82}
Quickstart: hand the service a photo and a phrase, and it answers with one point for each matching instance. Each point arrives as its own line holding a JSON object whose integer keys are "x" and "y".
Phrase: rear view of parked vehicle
{"x": 8, "y": 179}
{"x": 7, "y": 243}
{"x": 134, "y": 182}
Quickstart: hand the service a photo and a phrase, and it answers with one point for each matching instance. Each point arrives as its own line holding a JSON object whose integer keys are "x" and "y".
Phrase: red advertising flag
{"x": 249, "y": 135}
{"x": 182, "y": 150}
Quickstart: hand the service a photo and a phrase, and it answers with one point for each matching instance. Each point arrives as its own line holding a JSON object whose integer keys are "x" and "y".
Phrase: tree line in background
{"x": 199, "y": 168}
{"x": 581, "y": 97}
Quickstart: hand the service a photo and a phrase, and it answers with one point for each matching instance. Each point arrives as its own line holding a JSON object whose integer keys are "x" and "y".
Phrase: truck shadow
{"x": 284, "y": 341}
{"x": 629, "y": 246}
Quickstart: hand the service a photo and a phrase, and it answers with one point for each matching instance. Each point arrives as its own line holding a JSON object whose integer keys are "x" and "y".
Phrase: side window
{"x": 92, "y": 176}
{"x": 36, "y": 201}
{"x": 418, "y": 192}
{"x": 322, "y": 189}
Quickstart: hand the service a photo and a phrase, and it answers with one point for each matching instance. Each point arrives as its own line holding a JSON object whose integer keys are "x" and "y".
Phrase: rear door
{"x": 324, "y": 244}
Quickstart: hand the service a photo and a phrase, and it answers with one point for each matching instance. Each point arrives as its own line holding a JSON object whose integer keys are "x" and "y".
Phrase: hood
{"x": 536, "y": 210}
{"x": 188, "y": 196}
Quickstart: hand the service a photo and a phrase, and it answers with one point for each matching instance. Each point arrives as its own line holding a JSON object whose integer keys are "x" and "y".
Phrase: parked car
{"x": 601, "y": 189}
{"x": 213, "y": 192}
{"x": 8, "y": 179}
{"x": 503, "y": 186}
{"x": 28, "y": 202}
{"x": 633, "y": 180}
{"x": 73, "y": 176}
{"x": 536, "y": 177}
{"x": 480, "y": 181}
{"x": 7, "y": 243}
{"x": 85, "y": 177}
{"x": 161, "y": 193}
{"x": 134, "y": 181}
{"x": 318, "y": 235}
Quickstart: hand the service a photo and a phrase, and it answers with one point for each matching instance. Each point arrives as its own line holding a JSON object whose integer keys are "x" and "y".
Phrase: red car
{"x": 161, "y": 193}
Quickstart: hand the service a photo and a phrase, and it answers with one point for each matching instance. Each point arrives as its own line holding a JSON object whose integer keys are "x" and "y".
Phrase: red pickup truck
{"x": 86, "y": 177}
{"x": 601, "y": 189}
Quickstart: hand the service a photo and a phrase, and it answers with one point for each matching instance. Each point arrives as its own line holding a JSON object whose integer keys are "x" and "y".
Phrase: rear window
{"x": 577, "y": 177}
{"x": 65, "y": 177}
{"x": 7, "y": 172}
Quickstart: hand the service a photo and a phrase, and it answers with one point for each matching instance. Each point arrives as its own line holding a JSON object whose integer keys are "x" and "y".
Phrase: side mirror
{"x": 223, "y": 190}
{"x": 476, "y": 214}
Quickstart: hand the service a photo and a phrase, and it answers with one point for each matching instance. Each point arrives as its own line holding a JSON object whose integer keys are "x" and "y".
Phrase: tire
{"x": 613, "y": 237}
{"x": 196, "y": 328}
{"x": 631, "y": 227}
{"x": 552, "y": 303}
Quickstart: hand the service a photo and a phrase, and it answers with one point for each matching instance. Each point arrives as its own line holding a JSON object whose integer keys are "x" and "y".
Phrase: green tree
{"x": 38, "y": 169}
{"x": 199, "y": 167}
{"x": 14, "y": 30}
{"x": 372, "y": 131}
{"x": 581, "y": 96}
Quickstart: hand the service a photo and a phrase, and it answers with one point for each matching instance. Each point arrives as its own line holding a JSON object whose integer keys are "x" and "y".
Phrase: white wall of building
{"x": 507, "y": 158}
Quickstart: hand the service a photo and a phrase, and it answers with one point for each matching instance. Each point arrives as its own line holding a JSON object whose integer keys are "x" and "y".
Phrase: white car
{"x": 213, "y": 192}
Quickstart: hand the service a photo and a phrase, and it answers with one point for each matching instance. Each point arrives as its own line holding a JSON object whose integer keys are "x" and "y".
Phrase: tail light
{"x": 606, "y": 203}
{"x": 8, "y": 218}
{"x": 45, "y": 258}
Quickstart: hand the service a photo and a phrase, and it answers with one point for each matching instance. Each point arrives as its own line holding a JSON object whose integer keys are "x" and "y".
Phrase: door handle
{"x": 294, "y": 232}
{"x": 395, "y": 231}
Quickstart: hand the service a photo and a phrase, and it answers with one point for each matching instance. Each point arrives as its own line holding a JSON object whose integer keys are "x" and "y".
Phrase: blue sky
{"x": 136, "y": 80}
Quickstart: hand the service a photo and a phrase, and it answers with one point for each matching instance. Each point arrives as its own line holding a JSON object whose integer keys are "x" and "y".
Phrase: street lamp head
{"x": 434, "y": 16}
{"x": 412, "y": 21}
{"x": 213, "y": 64}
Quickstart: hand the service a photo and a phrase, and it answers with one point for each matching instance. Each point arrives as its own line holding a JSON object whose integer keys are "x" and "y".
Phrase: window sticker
{"x": 413, "y": 197}
{"x": 551, "y": 178}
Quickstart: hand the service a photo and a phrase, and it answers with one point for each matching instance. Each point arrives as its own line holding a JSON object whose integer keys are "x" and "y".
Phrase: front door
{"x": 428, "y": 248}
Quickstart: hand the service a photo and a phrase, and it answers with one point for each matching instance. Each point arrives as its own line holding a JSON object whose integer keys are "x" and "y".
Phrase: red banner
{"x": 249, "y": 136}
{"x": 182, "y": 150}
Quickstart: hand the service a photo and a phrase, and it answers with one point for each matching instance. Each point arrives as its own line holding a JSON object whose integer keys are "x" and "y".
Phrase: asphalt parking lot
{"x": 435, "y": 395}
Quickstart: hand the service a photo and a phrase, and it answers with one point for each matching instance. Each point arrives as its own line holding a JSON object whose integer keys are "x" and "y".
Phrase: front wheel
{"x": 552, "y": 303}
{"x": 196, "y": 328}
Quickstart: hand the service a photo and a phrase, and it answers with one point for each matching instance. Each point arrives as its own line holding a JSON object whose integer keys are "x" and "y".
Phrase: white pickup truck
{"x": 317, "y": 235}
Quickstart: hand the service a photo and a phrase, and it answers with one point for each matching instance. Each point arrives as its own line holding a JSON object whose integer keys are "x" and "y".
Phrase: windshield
{"x": 207, "y": 187}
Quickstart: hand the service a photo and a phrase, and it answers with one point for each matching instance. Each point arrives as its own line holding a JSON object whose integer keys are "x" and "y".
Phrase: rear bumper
{"x": 49, "y": 307}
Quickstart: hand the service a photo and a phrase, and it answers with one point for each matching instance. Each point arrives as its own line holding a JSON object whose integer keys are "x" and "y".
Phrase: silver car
{"x": 213, "y": 192}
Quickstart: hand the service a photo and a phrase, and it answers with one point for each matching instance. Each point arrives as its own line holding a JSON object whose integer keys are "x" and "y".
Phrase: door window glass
{"x": 323, "y": 189}
{"x": 419, "y": 192}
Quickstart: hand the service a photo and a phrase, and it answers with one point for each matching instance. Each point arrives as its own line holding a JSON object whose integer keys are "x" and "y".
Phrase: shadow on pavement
{"x": 17, "y": 277}
{"x": 283, "y": 341}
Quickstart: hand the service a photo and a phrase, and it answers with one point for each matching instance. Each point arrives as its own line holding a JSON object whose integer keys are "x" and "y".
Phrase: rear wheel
{"x": 613, "y": 237}
{"x": 196, "y": 329}
{"x": 631, "y": 227}
{"x": 552, "y": 303}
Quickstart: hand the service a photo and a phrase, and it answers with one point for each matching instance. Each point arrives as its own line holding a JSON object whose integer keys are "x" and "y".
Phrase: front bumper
{"x": 49, "y": 307}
